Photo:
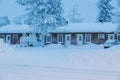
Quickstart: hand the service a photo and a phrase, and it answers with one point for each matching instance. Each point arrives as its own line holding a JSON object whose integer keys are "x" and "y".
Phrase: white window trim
{"x": 50, "y": 39}
{"x": 58, "y": 38}
{"x": 85, "y": 38}
{"x": 111, "y": 35}
{"x": 101, "y": 37}
{"x": 14, "y": 36}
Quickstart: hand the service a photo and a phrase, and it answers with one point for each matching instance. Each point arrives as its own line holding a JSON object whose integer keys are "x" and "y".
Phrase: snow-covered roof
{"x": 71, "y": 28}
{"x": 15, "y": 29}
{"x": 87, "y": 27}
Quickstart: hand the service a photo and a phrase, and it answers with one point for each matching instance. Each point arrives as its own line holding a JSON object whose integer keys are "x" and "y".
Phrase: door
{"x": 8, "y": 39}
{"x": 67, "y": 39}
{"x": 79, "y": 39}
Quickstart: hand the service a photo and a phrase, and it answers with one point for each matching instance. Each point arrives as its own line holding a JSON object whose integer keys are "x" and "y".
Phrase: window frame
{"x": 101, "y": 36}
{"x": 58, "y": 36}
{"x": 78, "y": 37}
{"x": 2, "y": 36}
{"x": 86, "y": 37}
{"x": 50, "y": 38}
{"x": 15, "y": 36}
{"x": 112, "y": 36}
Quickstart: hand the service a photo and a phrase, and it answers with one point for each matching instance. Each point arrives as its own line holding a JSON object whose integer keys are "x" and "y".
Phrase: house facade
{"x": 73, "y": 34}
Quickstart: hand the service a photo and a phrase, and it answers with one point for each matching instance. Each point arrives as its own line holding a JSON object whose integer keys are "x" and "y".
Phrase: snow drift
{"x": 4, "y": 48}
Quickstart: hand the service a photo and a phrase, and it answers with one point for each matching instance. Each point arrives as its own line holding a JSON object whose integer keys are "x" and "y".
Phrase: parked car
{"x": 33, "y": 42}
{"x": 24, "y": 41}
{"x": 29, "y": 41}
{"x": 110, "y": 43}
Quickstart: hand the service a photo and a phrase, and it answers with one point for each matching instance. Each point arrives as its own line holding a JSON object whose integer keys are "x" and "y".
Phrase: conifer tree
{"x": 74, "y": 15}
{"x": 105, "y": 11}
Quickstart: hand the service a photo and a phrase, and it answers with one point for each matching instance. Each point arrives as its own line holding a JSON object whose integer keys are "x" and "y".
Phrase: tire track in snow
{"x": 59, "y": 69}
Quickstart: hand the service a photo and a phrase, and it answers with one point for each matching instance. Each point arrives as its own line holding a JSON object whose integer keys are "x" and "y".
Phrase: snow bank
{"x": 54, "y": 46}
{"x": 5, "y": 48}
{"x": 116, "y": 47}
{"x": 87, "y": 46}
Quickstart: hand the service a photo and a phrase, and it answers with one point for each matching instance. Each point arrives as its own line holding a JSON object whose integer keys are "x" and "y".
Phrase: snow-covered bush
{"x": 4, "y": 21}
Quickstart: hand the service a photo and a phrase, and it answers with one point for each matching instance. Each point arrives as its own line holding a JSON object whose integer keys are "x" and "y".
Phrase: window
{"x": 2, "y": 35}
{"x": 87, "y": 38}
{"x": 68, "y": 38}
{"x": 8, "y": 38}
{"x": 111, "y": 36}
{"x": 101, "y": 36}
{"x": 15, "y": 36}
{"x": 60, "y": 38}
{"x": 49, "y": 39}
{"x": 80, "y": 38}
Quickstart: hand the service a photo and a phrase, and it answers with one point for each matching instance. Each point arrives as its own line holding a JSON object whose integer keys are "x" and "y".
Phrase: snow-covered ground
{"x": 56, "y": 62}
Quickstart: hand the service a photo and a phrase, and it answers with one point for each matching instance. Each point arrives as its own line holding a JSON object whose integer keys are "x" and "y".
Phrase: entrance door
{"x": 8, "y": 39}
{"x": 67, "y": 39}
{"x": 79, "y": 39}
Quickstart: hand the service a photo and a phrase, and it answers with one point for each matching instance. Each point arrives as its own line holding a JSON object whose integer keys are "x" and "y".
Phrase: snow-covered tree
{"x": 118, "y": 3}
{"x": 4, "y": 21}
{"x": 19, "y": 19}
{"x": 116, "y": 20}
{"x": 105, "y": 11}
{"x": 43, "y": 15}
{"x": 74, "y": 15}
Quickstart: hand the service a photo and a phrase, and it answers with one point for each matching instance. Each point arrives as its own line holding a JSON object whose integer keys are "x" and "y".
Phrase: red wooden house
{"x": 73, "y": 34}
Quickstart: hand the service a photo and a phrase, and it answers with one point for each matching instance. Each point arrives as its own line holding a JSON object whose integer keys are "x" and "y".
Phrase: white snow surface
{"x": 88, "y": 27}
{"x": 12, "y": 28}
{"x": 57, "y": 62}
{"x": 73, "y": 27}
{"x": 4, "y": 47}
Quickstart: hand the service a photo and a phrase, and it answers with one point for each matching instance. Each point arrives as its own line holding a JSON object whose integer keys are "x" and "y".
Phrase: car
{"x": 110, "y": 43}
{"x": 29, "y": 41}
{"x": 33, "y": 42}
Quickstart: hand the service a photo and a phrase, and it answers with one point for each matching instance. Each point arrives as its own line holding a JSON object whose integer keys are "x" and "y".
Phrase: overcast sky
{"x": 87, "y": 8}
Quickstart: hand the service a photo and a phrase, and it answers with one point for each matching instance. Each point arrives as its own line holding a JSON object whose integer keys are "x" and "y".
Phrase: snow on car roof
{"x": 73, "y": 27}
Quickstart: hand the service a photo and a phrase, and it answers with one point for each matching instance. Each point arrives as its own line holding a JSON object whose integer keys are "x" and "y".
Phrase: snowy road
{"x": 27, "y": 72}
{"x": 84, "y": 63}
